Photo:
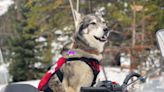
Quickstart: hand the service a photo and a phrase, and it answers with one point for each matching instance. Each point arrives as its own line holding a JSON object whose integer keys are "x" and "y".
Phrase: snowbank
{"x": 113, "y": 74}
{"x": 32, "y": 82}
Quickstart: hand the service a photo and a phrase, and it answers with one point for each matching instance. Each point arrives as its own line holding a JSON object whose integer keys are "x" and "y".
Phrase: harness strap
{"x": 46, "y": 77}
{"x": 83, "y": 59}
{"x": 93, "y": 64}
{"x": 55, "y": 69}
{"x": 59, "y": 74}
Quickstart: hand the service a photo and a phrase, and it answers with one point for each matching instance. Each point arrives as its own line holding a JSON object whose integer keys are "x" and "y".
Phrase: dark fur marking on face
{"x": 87, "y": 20}
{"x": 83, "y": 26}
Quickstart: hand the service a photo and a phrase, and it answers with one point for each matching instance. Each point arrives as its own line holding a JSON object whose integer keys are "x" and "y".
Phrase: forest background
{"x": 28, "y": 20}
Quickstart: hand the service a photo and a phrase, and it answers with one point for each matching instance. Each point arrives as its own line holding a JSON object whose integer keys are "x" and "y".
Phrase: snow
{"x": 113, "y": 74}
{"x": 2, "y": 87}
{"x": 160, "y": 39}
{"x": 62, "y": 39}
{"x": 153, "y": 85}
{"x": 4, "y": 75}
{"x": 4, "y": 5}
{"x": 31, "y": 82}
{"x": 58, "y": 32}
{"x": 41, "y": 39}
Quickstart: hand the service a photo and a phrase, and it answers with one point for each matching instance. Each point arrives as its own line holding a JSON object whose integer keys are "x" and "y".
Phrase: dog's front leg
{"x": 55, "y": 84}
{"x": 70, "y": 89}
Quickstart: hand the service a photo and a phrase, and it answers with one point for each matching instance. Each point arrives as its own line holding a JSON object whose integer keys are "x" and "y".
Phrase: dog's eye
{"x": 93, "y": 23}
{"x": 104, "y": 22}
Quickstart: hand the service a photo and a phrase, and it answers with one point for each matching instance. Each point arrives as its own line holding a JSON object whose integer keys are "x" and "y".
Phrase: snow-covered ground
{"x": 113, "y": 74}
{"x": 32, "y": 82}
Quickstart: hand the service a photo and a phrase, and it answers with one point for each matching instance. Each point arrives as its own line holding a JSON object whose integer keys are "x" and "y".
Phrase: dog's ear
{"x": 99, "y": 13}
{"x": 78, "y": 17}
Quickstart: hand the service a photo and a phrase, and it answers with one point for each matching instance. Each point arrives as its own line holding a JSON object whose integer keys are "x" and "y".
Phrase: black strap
{"x": 59, "y": 74}
{"x": 94, "y": 80}
{"x": 83, "y": 59}
{"x": 46, "y": 88}
{"x": 87, "y": 60}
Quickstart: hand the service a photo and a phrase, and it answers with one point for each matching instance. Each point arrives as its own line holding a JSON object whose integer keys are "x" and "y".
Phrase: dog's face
{"x": 93, "y": 30}
{"x": 95, "y": 27}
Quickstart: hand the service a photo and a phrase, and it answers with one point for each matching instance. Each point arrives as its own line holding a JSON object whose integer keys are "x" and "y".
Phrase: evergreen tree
{"x": 24, "y": 51}
{"x": 49, "y": 16}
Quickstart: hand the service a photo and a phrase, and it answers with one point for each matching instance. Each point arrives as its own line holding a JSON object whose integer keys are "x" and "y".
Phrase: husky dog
{"x": 89, "y": 40}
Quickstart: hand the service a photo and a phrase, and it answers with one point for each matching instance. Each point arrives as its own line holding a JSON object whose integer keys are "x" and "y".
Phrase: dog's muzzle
{"x": 104, "y": 37}
{"x": 106, "y": 31}
{"x": 100, "y": 39}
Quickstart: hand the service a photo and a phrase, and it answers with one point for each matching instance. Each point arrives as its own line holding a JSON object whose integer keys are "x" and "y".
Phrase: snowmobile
{"x": 111, "y": 86}
{"x": 102, "y": 86}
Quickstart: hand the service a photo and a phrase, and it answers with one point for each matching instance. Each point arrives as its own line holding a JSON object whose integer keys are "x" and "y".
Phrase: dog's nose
{"x": 105, "y": 30}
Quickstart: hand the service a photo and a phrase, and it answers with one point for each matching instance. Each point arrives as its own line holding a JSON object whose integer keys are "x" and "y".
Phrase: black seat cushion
{"x": 20, "y": 88}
